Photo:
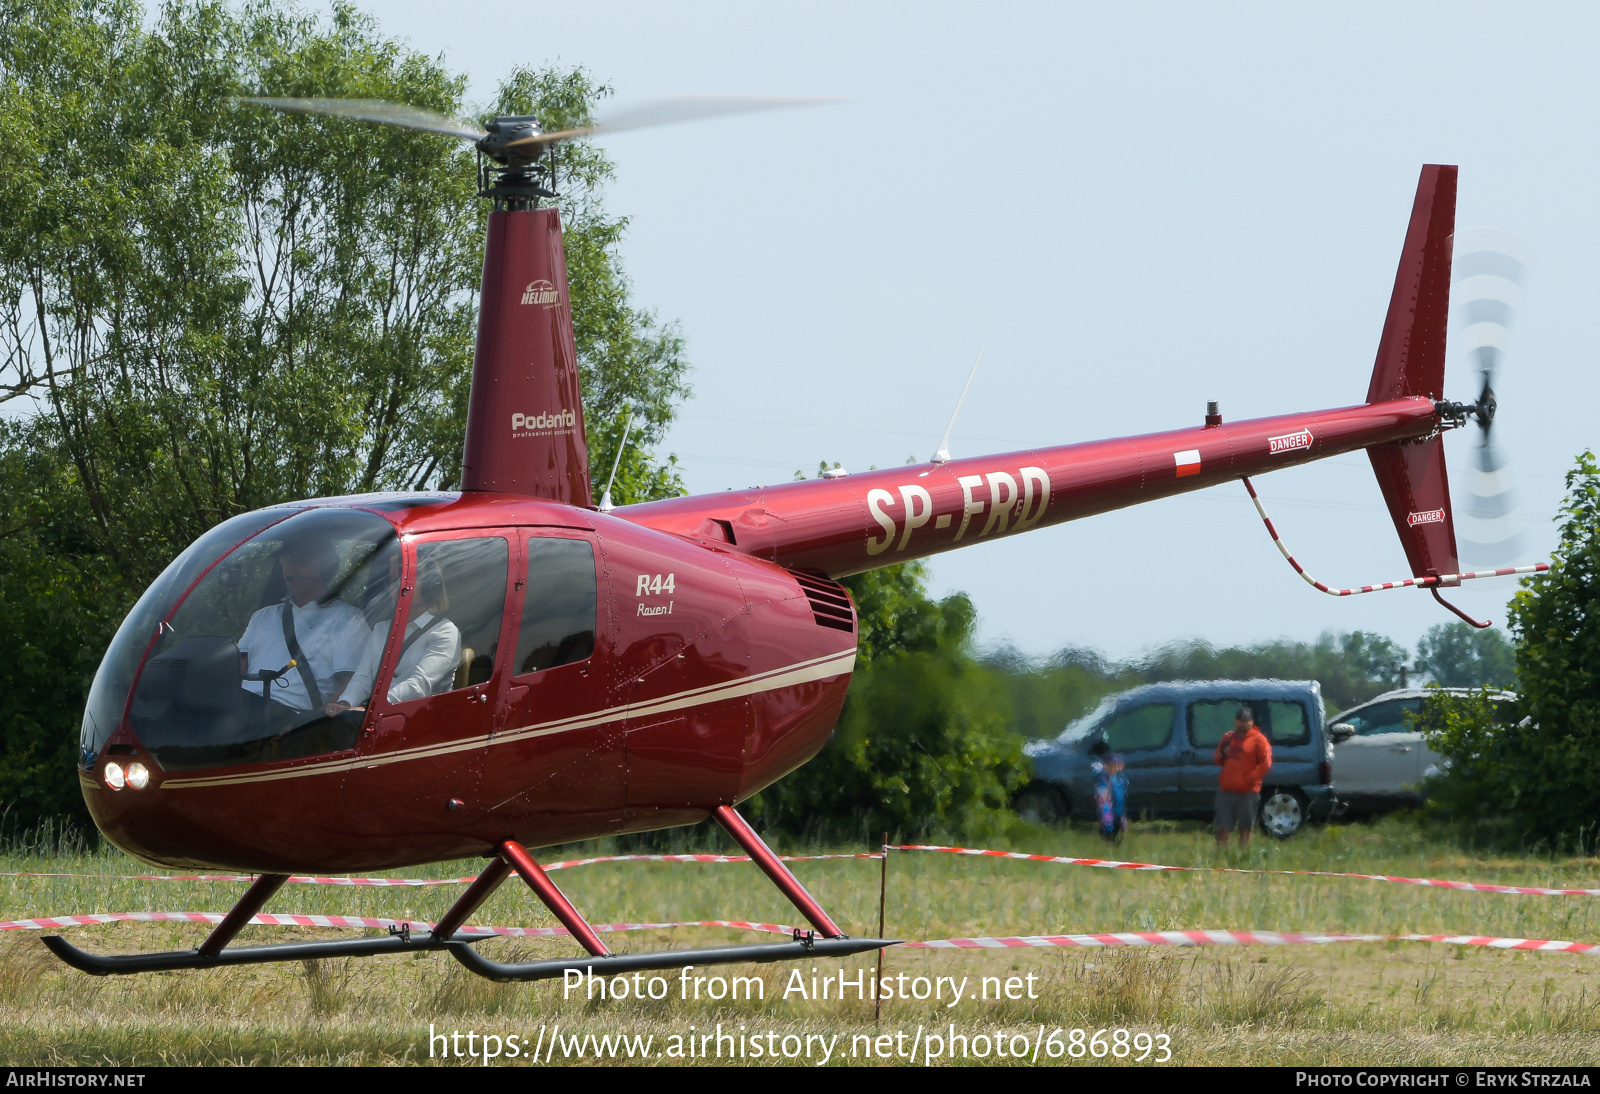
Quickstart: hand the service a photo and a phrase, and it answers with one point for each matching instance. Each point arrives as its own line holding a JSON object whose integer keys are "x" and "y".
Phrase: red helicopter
{"x": 380, "y": 681}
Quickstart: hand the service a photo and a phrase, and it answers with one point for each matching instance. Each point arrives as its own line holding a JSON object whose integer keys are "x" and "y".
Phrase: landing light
{"x": 138, "y": 776}
{"x": 113, "y": 776}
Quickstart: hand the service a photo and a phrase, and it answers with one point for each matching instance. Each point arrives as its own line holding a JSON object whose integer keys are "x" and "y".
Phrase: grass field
{"x": 1402, "y": 1003}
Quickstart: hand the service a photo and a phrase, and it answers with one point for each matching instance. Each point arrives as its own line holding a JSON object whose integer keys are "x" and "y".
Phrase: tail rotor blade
{"x": 1490, "y": 270}
{"x": 1488, "y": 523}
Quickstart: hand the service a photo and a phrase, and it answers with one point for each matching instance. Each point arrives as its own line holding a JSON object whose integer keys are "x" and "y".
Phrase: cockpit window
{"x": 558, "y": 605}
{"x": 452, "y": 637}
{"x": 253, "y": 664}
{"x": 109, "y": 693}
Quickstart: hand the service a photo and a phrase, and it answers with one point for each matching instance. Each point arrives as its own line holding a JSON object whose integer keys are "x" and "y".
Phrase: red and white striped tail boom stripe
{"x": 1428, "y": 581}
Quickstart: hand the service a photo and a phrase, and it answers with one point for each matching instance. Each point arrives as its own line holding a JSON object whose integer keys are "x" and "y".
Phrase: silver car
{"x": 1379, "y": 759}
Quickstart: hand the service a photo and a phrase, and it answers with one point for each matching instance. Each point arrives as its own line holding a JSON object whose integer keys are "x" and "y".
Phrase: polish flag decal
{"x": 1188, "y": 462}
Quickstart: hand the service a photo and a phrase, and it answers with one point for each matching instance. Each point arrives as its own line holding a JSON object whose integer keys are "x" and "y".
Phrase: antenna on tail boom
{"x": 606, "y": 504}
{"x": 942, "y": 455}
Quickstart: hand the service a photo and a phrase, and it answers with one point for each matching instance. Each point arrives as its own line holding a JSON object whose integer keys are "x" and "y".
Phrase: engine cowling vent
{"x": 830, "y": 603}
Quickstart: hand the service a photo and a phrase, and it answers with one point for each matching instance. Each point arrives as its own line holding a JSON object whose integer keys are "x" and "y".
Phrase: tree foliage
{"x": 923, "y": 743}
{"x": 1047, "y": 694}
{"x": 209, "y": 307}
{"x": 1540, "y": 773}
{"x": 1456, "y": 655}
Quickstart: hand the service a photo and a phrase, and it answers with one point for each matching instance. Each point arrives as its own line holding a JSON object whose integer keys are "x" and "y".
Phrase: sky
{"x": 1133, "y": 209}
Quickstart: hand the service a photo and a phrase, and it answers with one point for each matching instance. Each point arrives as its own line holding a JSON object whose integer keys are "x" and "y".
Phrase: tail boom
{"x": 861, "y": 522}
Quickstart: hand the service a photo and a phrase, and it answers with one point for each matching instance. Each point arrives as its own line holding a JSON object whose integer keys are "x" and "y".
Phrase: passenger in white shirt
{"x": 429, "y": 655}
{"x": 331, "y": 635}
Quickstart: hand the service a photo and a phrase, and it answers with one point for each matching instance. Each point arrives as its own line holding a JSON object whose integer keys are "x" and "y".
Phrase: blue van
{"x": 1167, "y": 734}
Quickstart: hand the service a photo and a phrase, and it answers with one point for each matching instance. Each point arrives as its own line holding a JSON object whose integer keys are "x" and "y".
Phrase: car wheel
{"x": 1283, "y": 812}
{"x": 1041, "y": 803}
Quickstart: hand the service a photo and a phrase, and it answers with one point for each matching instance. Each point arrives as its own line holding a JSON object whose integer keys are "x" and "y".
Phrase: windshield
{"x": 109, "y": 693}
{"x": 252, "y": 664}
{"x": 1080, "y": 729}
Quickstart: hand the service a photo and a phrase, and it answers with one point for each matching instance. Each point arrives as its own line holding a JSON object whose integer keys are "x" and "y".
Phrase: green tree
{"x": 922, "y": 744}
{"x": 1455, "y": 655}
{"x": 1049, "y": 693}
{"x": 211, "y": 307}
{"x": 1539, "y": 772}
{"x": 1352, "y": 667}
{"x": 1481, "y": 741}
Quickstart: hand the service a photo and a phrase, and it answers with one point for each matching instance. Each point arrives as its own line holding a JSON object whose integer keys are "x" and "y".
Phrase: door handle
{"x": 1400, "y": 748}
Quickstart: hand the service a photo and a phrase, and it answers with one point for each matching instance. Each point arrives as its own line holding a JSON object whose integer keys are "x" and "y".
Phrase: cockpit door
{"x": 438, "y": 695}
{"x": 556, "y": 761}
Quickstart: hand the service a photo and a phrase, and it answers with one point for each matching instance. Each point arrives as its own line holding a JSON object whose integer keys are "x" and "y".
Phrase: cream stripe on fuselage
{"x": 820, "y": 668}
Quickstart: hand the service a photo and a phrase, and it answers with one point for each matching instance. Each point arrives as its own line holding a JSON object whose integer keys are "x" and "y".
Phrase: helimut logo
{"x": 1432, "y": 516}
{"x": 1289, "y": 442}
{"x": 524, "y": 425}
{"x": 541, "y": 292}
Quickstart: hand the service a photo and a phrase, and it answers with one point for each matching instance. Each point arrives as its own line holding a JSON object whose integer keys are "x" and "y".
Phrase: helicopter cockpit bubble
{"x": 244, "y": 664}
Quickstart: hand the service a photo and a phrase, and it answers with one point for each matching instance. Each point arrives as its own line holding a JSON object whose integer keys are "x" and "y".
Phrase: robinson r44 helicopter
{"x": 386, "y": 680}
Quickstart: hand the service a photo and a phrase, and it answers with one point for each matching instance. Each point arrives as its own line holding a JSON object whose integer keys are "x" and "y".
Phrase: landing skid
{"x": 510, "y": 856}
{"x": 102, "y": 965}
{"x": 620, "y": 964}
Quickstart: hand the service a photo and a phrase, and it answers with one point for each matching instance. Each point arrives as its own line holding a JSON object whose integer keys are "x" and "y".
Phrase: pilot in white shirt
{"x": 331, "y": 636}
{"x": 430, "y": 652}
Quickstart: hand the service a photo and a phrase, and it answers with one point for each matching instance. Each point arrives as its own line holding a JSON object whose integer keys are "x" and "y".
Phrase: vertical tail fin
{"x": 1411, "y": 363}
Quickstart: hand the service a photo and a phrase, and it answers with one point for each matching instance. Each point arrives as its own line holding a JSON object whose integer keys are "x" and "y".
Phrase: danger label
{"x": 1289, "y": 442}
{"x": 1431, "y": 516}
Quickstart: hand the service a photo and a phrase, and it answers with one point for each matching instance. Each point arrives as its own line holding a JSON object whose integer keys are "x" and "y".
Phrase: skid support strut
{"x": 603, "y": 963}
{"x": 255, "y": 898}
{"x": 478, "y": 892}
{"x": 213, "y": 952}
{"x": 774, "y": 868}
{"x": 553, "y": 898}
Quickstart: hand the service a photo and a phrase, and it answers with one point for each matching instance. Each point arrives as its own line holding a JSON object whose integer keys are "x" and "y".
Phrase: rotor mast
{"x": 525, "y": 432}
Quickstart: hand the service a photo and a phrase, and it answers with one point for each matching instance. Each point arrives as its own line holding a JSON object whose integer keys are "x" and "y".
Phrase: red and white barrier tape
{"x": 383, "y": 882}
{"x": 1426, "y": 582}
{"x": 1119, "y": 938}
{"x": 1245, "y": 938}
{"x": 271, "y": 919}
{"x": 1113, "y": 864}
{"x": 697, "y": 858}
{"x": 1106, "y": 864}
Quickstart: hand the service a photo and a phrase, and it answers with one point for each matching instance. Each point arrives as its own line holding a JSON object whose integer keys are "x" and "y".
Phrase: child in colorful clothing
{"x": 1110, "y": 791}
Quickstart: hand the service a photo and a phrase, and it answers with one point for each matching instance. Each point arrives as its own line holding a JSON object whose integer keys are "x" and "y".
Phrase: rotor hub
{"x": 1455, "y": 415}
{"x": 506, "y": 140}
{"x": 509, "y": 168}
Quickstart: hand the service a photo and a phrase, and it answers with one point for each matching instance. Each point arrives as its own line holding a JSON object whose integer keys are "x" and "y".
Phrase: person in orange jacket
{"x": 1244, "y": 754}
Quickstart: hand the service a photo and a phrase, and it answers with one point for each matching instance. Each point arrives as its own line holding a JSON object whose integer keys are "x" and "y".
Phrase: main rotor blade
{"x": 376, "y": 110}
{"x": 678, "y": 108}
